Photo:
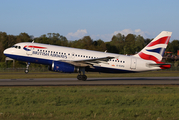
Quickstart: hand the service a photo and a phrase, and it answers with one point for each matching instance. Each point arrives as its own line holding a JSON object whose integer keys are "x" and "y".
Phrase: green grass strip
{"x": 90, "y": 102}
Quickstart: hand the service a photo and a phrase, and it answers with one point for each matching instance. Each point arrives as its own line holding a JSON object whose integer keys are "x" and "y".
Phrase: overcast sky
{"x": 100, "y": 19}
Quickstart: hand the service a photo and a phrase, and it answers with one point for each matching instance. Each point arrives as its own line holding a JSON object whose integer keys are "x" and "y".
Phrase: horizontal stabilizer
{"x": 161, "y": 65}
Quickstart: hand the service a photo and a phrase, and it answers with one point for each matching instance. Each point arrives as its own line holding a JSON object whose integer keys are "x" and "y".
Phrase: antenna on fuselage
{"x": 32, "y": 37}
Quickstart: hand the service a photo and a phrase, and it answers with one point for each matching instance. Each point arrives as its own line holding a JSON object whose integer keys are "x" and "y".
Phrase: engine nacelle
{"x": 63, "y": 67}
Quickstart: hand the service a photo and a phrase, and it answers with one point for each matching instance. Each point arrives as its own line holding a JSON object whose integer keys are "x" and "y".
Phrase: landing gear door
{"x": 133, "y": 63}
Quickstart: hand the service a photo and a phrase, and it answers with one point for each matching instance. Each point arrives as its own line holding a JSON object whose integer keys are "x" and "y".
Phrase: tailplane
{"x": 155, "y": 49}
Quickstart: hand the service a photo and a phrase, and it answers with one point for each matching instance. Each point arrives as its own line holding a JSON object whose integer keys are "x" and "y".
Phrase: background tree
{"x": 147, "y": 41}
{"x": 139, "y": 43}
{"x": 118, "y": 41}
{"x": 129, "y": 44}
{"x": 173, "y": 47}
{"x": 99, "y": 45}
{"x": 23, "y": 37}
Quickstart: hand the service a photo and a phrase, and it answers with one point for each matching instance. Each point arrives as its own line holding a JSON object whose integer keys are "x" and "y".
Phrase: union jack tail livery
{"x": 155, "y": 49}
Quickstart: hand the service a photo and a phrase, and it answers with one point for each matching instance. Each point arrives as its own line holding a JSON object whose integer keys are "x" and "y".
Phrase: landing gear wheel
{"x": 26, "y": 71}
{"x": 82, "y": 77}
{"x": 79, "y": 77}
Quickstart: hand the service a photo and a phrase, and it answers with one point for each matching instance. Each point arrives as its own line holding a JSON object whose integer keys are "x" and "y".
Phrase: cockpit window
{"x": 17, "y": 47}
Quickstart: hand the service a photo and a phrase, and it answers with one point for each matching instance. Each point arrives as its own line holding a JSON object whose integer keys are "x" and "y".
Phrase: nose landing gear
{"x": 27, "y": 68}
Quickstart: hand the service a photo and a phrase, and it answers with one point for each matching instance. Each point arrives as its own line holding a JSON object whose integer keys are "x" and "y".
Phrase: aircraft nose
{"x": 7, "y": 51}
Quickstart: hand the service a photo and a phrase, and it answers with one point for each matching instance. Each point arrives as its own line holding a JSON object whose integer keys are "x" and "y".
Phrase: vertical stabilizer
{"x": 155, "y": 49}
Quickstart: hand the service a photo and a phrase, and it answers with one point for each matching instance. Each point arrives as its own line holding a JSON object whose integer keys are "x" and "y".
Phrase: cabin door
{"x": 133, "y": 63}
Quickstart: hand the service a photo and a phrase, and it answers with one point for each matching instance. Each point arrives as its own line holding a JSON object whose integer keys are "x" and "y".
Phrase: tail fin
{"x": 155, "y": 49}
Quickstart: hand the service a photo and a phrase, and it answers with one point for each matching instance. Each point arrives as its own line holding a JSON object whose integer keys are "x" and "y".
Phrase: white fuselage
{"x": 46, "y": 54}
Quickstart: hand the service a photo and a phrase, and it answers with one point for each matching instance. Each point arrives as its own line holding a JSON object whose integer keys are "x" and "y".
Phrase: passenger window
{"x": 86, "y": 56}
{"x": 123, "y": 61}
{"x": 92, "y": 57}
{"x": 64, "y": 53}
{"x": 68, "y": 53}
{"x": 72, "y": 54}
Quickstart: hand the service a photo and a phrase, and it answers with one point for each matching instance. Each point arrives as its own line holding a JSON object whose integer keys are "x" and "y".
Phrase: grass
{"x": 21, "y": 74}
{"x": 90, "y": 102}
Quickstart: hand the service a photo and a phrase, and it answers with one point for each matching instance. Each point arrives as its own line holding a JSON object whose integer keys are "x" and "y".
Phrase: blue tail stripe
{"x": 157, "y": 50}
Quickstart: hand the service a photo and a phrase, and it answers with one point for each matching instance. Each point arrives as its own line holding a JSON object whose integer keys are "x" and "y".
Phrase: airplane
{"x": 69, "y": 60}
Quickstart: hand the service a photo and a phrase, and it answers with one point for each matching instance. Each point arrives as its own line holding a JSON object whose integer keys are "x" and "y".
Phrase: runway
{"x": 91, "y": 81}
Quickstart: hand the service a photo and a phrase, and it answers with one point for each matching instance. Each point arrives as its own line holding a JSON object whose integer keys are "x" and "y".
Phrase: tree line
{"x": 120, "y": 44}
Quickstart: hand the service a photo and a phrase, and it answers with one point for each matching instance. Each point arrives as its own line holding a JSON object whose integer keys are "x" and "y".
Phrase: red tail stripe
{"x": 148, "y": 57}
{"x": 163, "y": 40}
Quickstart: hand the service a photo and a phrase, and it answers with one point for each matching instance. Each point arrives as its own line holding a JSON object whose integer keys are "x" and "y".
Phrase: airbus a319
{"x": 69, "y": 60}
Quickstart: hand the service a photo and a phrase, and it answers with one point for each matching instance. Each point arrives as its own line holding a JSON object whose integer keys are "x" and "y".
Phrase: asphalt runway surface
{"x": 91, "y": 81}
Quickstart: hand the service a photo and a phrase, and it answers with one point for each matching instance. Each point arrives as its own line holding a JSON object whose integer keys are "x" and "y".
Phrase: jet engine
{"x": 63, "y": 67}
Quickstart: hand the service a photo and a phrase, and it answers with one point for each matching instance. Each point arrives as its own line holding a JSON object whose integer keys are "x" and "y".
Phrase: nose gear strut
{"x": 27, "y": 68}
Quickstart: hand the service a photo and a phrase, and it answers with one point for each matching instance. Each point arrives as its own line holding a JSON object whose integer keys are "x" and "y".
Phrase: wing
{"x": 89, "y": 62}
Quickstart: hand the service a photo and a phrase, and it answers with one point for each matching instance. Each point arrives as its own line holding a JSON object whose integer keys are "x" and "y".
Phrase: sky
{"x": 99, "y": 19}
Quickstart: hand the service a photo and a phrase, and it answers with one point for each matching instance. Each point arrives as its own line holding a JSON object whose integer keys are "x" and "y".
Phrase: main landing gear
{"x": 82, "y": 77}
{"x": 27, "y": 68}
